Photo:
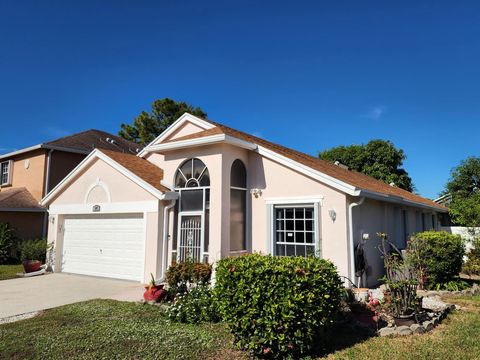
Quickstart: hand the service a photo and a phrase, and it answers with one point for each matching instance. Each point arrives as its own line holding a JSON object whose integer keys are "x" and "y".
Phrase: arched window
{"x": 192, "y": 173}
{"x": 192, "y": 182}
{"x": 238, "y": 206}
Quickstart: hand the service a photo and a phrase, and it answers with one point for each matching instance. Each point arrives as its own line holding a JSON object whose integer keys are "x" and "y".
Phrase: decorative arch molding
{"x": 98, "y": 184}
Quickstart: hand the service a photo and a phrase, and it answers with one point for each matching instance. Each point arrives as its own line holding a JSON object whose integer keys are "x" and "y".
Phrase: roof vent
{"x": 111, "y": 141}
{"x": 339, "y": 164}
{"x": 392, "y": 184}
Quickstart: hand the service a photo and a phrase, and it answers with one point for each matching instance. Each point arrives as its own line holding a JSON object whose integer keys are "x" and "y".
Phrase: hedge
{"x": 277, "y": 306}
{"x": 439, "y": 254}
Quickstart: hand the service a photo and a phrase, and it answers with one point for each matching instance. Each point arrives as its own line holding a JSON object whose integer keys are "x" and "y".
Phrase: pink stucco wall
{"x": 276, "y": 181}
{"x": 102, "y": 185}
{"x": 375, "y": 216}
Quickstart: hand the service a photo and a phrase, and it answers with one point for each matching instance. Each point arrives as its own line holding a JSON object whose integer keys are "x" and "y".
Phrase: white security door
{"x": 104, "y": 245}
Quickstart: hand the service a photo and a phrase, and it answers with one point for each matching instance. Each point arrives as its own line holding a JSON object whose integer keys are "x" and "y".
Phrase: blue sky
{"x": 307, "y": 74}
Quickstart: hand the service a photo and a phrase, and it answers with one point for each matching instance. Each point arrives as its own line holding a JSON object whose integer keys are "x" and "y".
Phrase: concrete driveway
{"x": 24, "y": 295}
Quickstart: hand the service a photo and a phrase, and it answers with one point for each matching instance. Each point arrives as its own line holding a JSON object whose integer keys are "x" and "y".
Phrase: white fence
{"x": 465, "y": 232}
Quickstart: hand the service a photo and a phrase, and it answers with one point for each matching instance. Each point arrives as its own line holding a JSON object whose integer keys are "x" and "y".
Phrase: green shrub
{"x": 180, "y": 276}
{"x": 6, "y": 242}
{"x": 438, "y": 255}
{"x": 277, "y": 306}
{"x": 472, "y": 265}
{"x": 33, "y": 250}
{"x": 194, "y": 307}
{"x": 454, "y": 285}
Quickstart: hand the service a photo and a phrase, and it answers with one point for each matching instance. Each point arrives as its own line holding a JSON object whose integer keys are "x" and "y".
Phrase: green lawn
{"x": 456, "y": 338}
{"x": 106, "y": 329}
{"x": 10, "y": 271}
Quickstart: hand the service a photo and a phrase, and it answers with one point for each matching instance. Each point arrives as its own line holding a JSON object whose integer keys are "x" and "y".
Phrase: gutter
{"x": 165, "y": 238}
{"x": 350, "y": 238}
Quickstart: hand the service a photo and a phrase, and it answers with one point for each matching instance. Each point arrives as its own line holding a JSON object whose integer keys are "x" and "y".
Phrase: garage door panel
{"x": 105, "y": 245}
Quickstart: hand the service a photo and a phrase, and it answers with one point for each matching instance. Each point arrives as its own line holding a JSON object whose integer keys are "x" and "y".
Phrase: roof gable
{"x": 142, "y": 172}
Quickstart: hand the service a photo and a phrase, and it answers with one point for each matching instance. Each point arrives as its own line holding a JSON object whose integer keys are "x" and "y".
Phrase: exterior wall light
{"x": 333, "y": 214}
{"x": 256, "y": 192}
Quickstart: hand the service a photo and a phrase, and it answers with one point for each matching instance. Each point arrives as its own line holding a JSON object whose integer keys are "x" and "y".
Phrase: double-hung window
{"x": 6, "y": 173}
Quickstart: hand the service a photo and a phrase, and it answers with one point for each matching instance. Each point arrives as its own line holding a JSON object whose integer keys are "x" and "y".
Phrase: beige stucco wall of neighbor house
{"x": 29, "y": 172}
{"x": 100, "y": 184}
{"x": 375, "y": 216}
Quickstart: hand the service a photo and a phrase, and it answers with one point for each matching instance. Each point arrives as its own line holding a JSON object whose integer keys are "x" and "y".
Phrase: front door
{"x": 190, "y": 236}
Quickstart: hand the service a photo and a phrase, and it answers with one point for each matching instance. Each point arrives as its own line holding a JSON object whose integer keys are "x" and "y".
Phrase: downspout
{"x": 45, "y": 192}
{"x": 165, "y": 237}
{"x": 350, "y": 235}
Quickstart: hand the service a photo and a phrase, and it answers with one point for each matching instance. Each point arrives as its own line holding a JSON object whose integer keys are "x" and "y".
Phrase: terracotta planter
{"x": 154, "y": 293}
{"x": 31, "y": 265}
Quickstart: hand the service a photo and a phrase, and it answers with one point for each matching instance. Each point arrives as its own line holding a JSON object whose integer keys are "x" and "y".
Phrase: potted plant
{"x": 154, "y": 292}
{"x": 32, "y": 254}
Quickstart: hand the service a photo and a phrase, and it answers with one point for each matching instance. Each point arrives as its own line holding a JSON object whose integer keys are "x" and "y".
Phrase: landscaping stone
{"x": 387, "y": 331}
{"x": 433, "y": 303}
{"x": 417, "y": 329}
{"x": 428, "y": 326}
{"x": 404, "y": 330}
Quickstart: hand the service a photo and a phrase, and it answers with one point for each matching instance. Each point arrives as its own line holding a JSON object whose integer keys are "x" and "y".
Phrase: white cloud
{"x": 376, "y": 112}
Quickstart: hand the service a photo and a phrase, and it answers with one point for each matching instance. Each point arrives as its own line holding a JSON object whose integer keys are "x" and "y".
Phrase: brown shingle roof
{"x": 144, "y": 169}
{"x": 18, "y": 198}
{"x": 354, "y": 178}
{"x": 95, "y": 139}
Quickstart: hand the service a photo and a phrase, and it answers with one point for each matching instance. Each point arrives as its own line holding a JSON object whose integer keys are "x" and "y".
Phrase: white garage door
{"x": 104, "y": 245}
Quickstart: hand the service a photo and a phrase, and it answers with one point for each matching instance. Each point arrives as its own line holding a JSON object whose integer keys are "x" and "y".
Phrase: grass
{"x": 10, "y": 271}
{"x": 105, "y": 329}
{"x": 455, "y": 338}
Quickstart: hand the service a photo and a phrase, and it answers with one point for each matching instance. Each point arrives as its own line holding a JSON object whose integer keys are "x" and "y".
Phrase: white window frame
{"x": 315, "y": 202}
{"x": 9, "y": 172}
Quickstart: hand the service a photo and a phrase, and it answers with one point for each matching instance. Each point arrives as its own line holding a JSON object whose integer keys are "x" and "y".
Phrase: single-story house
{"x": 203, "y": 191}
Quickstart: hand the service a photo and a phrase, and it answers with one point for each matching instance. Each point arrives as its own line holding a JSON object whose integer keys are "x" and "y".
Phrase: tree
{"x": 464, "y": 188}
{"x": 378, "y": 158}
{"x": 148, "y": 125}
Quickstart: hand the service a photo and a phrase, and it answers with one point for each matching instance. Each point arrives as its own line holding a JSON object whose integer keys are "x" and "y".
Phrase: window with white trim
{"x": 238, "y": 206}
{"x": 294, "y": 230}
{"x": 5, "y": 172}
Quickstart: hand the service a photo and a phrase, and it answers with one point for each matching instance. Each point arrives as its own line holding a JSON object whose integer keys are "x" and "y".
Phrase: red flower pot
{"x": 154, "y": 293}
{"x": 31, "y": 265}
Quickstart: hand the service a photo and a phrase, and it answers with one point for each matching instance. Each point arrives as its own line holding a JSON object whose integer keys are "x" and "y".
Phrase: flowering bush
{"x": 194, "y": 306}
{"x": 182, "y": 275}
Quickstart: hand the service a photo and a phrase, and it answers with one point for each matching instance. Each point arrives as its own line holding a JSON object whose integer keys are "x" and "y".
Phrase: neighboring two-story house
{"x": 28, "y": 174}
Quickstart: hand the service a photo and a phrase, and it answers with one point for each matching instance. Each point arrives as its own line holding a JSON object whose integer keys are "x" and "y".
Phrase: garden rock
{"x": 428, "y": 325}
{"x": 387, "y": 331}
{"x": 404, "y": 330}
{"x": 417, "y": 329}
{"x": 434, "y": 303}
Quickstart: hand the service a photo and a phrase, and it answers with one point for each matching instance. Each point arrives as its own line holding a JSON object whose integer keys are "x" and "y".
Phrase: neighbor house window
{"x": 5, "y": 172}
{"x": 238, "y": 206}
{"x": 294, "y": 230}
